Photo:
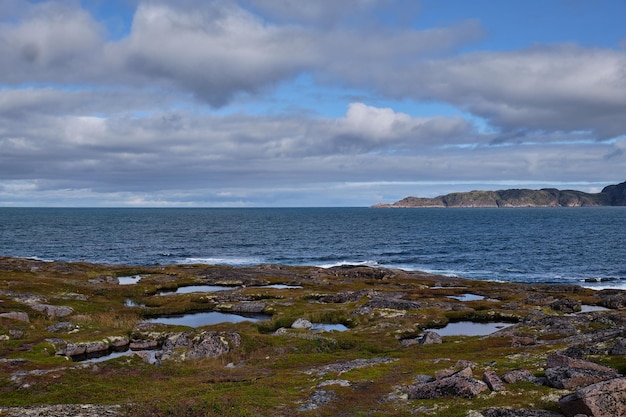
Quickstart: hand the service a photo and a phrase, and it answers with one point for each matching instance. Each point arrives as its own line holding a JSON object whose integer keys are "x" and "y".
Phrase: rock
{"x": 52, "y": 311}
{"x": 493, "y": 381}
{"x": 430, "y": 338}
{"x": 118, "y": 342}
{"x": 520, "y": 341}
{"x": 248, "y": 307}
{"x": 93, "y": 347}
{"x": 63, "y": 410}
{"x": 607, "y": 398}
{"x": 423, "y": 379}
{"x": 564, "y": 372}
{"x": 454, "y": 386}
{"x": 301, "y": 324}
{"x": 73, "y": 349}
{"x": 557, "y": 360}
{"x": 503, "y": 412}
{"x": 62, "y": 326}
{"x": 517, "y": 375}
{"x": 143, "y": 345}
{"x": 619, "y": 348}
{"x": 318, "y": 399}
{"x": 566, "y": 305}
{"x": 192, "y": 345}
{"x": 16, "y": 315}
{"x": 569, "y": 378}
{"x": 615, "y": 299}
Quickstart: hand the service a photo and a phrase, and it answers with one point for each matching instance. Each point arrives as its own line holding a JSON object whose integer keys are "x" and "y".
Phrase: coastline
{"x": 387, "y": 356}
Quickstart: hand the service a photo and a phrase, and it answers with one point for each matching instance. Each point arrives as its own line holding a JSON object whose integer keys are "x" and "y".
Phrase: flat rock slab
{"x": 606, "y": 398}
{"x": 64, "y": 410}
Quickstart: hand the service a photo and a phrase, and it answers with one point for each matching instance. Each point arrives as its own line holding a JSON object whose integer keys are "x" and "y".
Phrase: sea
{"x": 581, "y": 245}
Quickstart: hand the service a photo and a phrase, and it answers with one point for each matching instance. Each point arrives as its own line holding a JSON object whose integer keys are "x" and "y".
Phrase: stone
{"x": 62, "y": 326}
{"x": 301, "y": 324}
{"x": 249, "y": 307}
{"x": 504, "y": 412}
{"x": 430, "y": 338}
{"x": 119, "y": 342}
{"x": 16, "y": 315}
{"x": 566, "y": 305}
{"x": 52, "y": 311}
{"x": 143, "y": 345}
{"x": 557, "y": 360}
{"x": 193, "y": 345}
{"x": 93, "y": 347}
{"x": 619, "y": 348}
{"x": 493, "y": 381}
{"x": 520, "y": 341}
{"x": 570, "y": 378}
{"x": 607, "y": 398}
{"x": 453, "y": 386}
{"x": 518, "y": 375}
{"x": 564, "y": 372}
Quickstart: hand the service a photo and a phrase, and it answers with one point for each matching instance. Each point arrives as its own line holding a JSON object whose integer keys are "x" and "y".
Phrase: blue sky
{"x": 247, "y": 103}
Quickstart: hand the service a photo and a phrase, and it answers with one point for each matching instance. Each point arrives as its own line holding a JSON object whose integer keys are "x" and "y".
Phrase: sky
{"x": 291, "y": 103}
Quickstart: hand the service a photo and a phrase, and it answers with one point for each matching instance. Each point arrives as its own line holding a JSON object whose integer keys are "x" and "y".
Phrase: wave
{"x": 231, "y": 261}
{"x": 349, "y": 263}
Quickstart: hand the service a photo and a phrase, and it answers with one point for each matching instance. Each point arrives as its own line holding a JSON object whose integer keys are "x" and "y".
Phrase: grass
{"x": 266, "y": 375}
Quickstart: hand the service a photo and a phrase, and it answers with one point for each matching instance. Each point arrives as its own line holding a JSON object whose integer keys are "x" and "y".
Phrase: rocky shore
{"x": 302, "y": 341}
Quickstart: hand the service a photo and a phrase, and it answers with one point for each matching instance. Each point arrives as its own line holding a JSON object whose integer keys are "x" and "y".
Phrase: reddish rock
{"x": 518, "y": 375}
{"x": 493, "y": 381}
{"x": 604, "y": 399}
{"x": 557, "y": 360}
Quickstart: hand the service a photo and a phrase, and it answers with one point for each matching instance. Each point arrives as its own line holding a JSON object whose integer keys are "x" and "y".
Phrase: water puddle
{"x": 588, "y": 308}
{"x": 189, "y": 289}
{"x": 106, "y": 356}
{"x": 470, "y": 328}
{"x": 329, "y": 327}
{"x": 131, "y": 280}
{"x": 206, "y": 319}
{"x": 467, "y": 297}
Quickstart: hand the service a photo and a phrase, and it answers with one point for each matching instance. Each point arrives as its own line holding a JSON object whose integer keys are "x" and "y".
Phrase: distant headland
{"x": 612, "y": 195}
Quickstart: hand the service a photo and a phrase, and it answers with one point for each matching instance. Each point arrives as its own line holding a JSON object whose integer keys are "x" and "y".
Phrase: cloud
{"x": 550, "y": 88}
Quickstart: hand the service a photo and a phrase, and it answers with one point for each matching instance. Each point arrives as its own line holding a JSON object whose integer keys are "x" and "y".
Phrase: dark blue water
{"x": 555, "y": 245}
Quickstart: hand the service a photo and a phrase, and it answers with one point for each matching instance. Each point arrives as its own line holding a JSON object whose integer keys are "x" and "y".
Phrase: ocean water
{"x": 547, "y": 245}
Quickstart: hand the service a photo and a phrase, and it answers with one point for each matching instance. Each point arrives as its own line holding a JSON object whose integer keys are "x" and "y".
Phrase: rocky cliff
{"x": 612, "y": 195}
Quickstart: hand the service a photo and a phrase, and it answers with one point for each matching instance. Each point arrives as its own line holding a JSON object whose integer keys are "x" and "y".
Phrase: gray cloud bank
{"x": 87, "y": 120}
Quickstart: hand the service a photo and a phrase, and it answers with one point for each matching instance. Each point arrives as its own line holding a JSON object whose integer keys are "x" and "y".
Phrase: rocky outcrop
{"x": 606, "y": 398}
{"x": 198, "y": 345}
{"x": 16, "y": 315}
{"x": 612, "y": 195}
{"x": 459, "y": 384}
{"x": 563, "y": 372}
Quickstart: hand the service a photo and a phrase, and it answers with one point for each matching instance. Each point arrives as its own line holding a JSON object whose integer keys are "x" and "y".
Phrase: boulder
{"x": 193, "y": 345}
{"x": 566, "y": 305}
{"x": 52, "y": 311}
{"x": 453, "y": 386}
{"x": 62, "y": 326}
{"x": 143, "y": 345}
{"x": 570, "y": 378}
{"x": 493, "y": 381}
{"x": 619, "y": 348}
{"x": 607, "y": 398}
{"x": 301, "y": 324}
{"x": 430, "y": 338}
{"x": 564, "y": 372}
{"x": 16, "y": 315}
{"x": 518, "y": 375}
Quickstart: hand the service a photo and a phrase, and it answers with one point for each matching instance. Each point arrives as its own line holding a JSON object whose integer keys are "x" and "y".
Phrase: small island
{"x": 612, "y": 195}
